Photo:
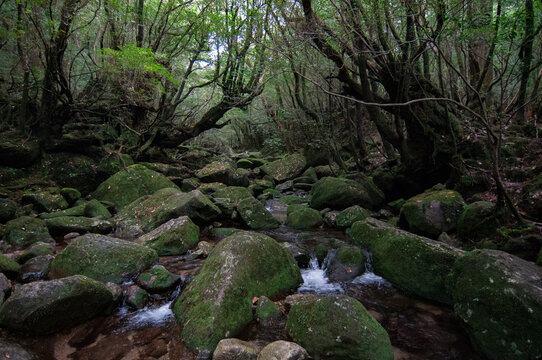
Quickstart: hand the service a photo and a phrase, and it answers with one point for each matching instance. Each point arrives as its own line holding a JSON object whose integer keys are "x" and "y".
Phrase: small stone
{"x": 136, "y": 297}
{"x": 235, "y": 349}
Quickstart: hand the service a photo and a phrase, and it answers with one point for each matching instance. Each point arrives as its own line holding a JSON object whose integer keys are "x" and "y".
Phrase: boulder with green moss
{"x": 35, "y": 269}
{"x": 286, "y": 168}
{"x": 124, "y": 187}
{"x": 303, "y": 218}
{"x": 338, "y": 327}
{"x": 411, "y": 262}
{"x": 45, "y": 201}
{"x": 77, "y": 210}
{"x": 8, "y": 266}
{"x": 432, "y": 212}
{"x": 350, "y": 215}
{"x": 62, "y": 225}
{"x": 8, "y": 209}
{"x": 95, "y": 209}
{"x": 293, "y": 199}
{"x": 477, "y": 220}
{"x": 347, "y": 263}
{"x": 158, "y": 279}
{"x": 174, "y": 237}
{"x": 103, "y": 258}
{"x": 44, "y": 307}
{"x": 37, "y": 249}
{"x": 24, "y": 231}
{"x": 499, "y": 297}
{"x": 228, "y": 198}
{"x": 148, "y": 212}
{"x": 267, "y": 311}
{"x": 113, "y": 163}
{"x": 73, "y": 171}
{"x": 218, "y": 302}
{"x": 339, "y": 193}
{"x": 257, "y": 186}
{"x": 71, "y": 195}
{"x": 217, "y": 171}
{"x": 255, "y": 215}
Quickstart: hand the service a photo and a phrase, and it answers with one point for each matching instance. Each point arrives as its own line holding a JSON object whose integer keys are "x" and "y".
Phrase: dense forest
{"x": 206, "y": 158}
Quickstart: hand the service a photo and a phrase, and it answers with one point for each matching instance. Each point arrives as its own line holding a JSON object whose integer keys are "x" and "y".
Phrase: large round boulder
{"x": 339, "y": 193}
{"x": 25, "y": 231}
{"x": 477, "y": 220}
{"x": 303, "y": 218}
{"x": 103, "y": 258}
{"x": 218, "y": 302}
{"x": 499, "y": 297}
{"x": 350, "y": 215}
{"x": 174, "y": 237}
{"x": 228, "y": 198}
{"x": 286, "y": 168}
{"x": 62, "y": 225}
{"x": 8, "y": 266}
{"x": 412, "y": 262}
{"x": 45, "y": 307}
{"x": 128, "y": 185}
{"x": 338, "y": 327}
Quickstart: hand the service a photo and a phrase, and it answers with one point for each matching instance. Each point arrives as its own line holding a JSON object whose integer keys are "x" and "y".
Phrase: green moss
{"x": 350, "y": 215}
{"x": 174, "y": 237}
{"x": 25, "y": 231}
{"x": 539, "y": 259}
{"x": 351, "y": 256}
{"x": 74, "y": 171}
{"x": 267, "y": 310}
{"x": 38, "y": 249}
{"x": 8, "y": 266}
{"x": 477, "y": 220}
{"x": 158, "y": 279}
{"x": 304, "y": 218}
{"x": 224, "y": 232}
{"x": 338, "y": 193}
{"x": 293, "y": 199}
{"x": 94, "y": 208}
{"x": 228, "y": 198}
{"x": 286, "y": 168}
{"x": 8, "y": 209}
{"x": 71, "y": 195}
{"x": 62, "y": 225}
{"x": 256, "y": 215}
{"x": 45, "y": 201}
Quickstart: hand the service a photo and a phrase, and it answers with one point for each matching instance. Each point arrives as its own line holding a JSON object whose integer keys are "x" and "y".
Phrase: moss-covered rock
{"x": 499, "y": 297}
{"x": 25, "y": 231}
{"x": 174, "y": 237}
{"x": 37, "y": 249}
{"x": 136, "y": 297}
{"x": 45, "y": 307}
{"x": 8, "y": 209}
{"x": 148, "y": 212}
{"x": 245, "y": 164}
{"x": 338, "y": 327}
{"x": 338, "y": 193}
{"x": 228, "y": 198}
{"x": 347, "y": 263}
{"x": 62, "y": 225}
{"x": 293, "y": 199}
{"x": 217, "y": 171}
{"x": 350, "y": 215}
{"x": 45, "y": 201}
{"x": 71, "y": 195}
{"x": 158, "y": 279}
{"x": 218, "y": 303}
{"x": 77, "y": 210}
{"x": 257, "y": 186}
{"x": 432, "y": 212}
{"x": 267, "y": 311}
{"x": 477, "y": 220}
{"x": 73, "y": 171}
{"x": 8, "y": 267}
{"x": 256, "y": 215}
{"x": 111, "y": 164}
{"x": 17, "y": 150}
{"x": 304, "y": 218}
{"x": 531, "y": 197}
{"x": 103, "y": 258}
{"x": 414, "y": 263}
{"x": 126, "y": 186}
{"x": 95, "y": 209}
{"x": 287, "y": 168}
{"x": 35, "y": 269}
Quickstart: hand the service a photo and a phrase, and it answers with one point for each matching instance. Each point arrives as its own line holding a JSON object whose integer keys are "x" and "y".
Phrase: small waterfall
{"x": 369, "y": 277}
{"x": 316, "y": 280}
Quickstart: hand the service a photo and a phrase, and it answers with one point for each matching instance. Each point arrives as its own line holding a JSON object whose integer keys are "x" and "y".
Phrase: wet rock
{"x": 45, "y": 201}
{"x": 205, "y": 247}
{"x": 174, "y": 237}
{"x": 148, "y": 213}
{"x": 499, "y": 297}
{"x": 301, "y": 256}
{"x": 338, "y": 193}
{"x": 71, "y": 236}
{"x": 190, "y": 184}
{"x": 283, "y": 350}
{"x": 412, "y": 262}
{"x": 297, "y": 299}
{"x": 218, "y": 302}
{"x": 267, "y": 311}
{"x": 338, "y": 327}
{"x": 432, "y": 212}
{"x": 62, "y": 225}
{"x": 18, "y": 151}
{"x": 103, "y": 258}
{"x": 78, "y": 210}
{"x": 117, "y": 293}
{"x": 25, "y": 231}
{"x": 94, "y": 209}
{"x": 287, "y": 168}
{"x": 348, "y": 263}
{"x": 44, "y": 307}
{"x": 36, "y": 268}
{"x": 228, "y": 198}
{"x": 14, "y": 351}
{"x": 330, "y": 217}
{"x": 158, "y": 279}
{"x": 126, "y": 186}
{"x": 350, "y": 215}
{"x": 308, "y": 177}
{"x": 136, "y": 297}
{"x": 235, "y": 349}
{"x": 8, "y": 208}
{"x": 304, "y": 218}
{"x": 255, "y": 215}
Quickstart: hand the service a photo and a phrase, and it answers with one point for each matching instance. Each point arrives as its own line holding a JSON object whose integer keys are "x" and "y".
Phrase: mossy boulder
{"x": 347, "y": 263}
{"x": 531, "y": 197}
{"x": 293, "y": 199}
{"x": 221, "y": 233}
{"x": 174, "y": 237}
{"x": 8, "y": 266}
{"x": 45, "y": 307}
{"x": 103, "y": 258}
{"x": 95, "y": 209}
{"x": 499, "y": 297}
{"x": 267, "y": 311}
{"x": 255, "y": 215}
{"x": 158, "y": 279}
{"x": 338, "y": 327}
{"x": 339, "y": 193}
{"x": 217, "y": 171}
{"x": 71, "y": 195}
{"x": 411, "y": 262}
{"x": 149, "y": 212}
{"x": 432, "y": 212}
{"x": 228, "y": 198}
{"x": 8, "y": 209}
{"x": 112, "y": 163}
{"x": 218, "y": 302}
{"x": 37, "y": 249}
{"x": 45, "y": 201}
{"x": 25, "y": 231}
{"x": 62, "y": 225}
{"x": 18, "y": 151}
{"x": 35, "y": 269}
{"x": 136, "y": 297}
{"x": 477, "y": 220}
{"x": 126, "y": 186}
{"x": 257, "y": 186}
{"x": 286, "y": 168}
{"x": 350, "y": 215}
{"x": 77, "y": 210}
{"x": 73, "y": 171}
{"x": 303, "y": 218}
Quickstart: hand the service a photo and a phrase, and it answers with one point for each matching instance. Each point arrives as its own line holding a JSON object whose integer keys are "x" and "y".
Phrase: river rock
{"x": 499, "y": 297}
{"x": 174, "y": 237}
{"x": 283, "y": 350}
{"x": 136, "y": 297}
{"x": 62, "y": 225}
{"x": 412, "y": 262}
{"x": 77, "y": 210}
{"x": 256, "y": 215}
{"x": 301, "y": 256}
{"x": 103, "y": 258}
{"x": 45, "y": 201}
{"x": 158, "y": 279}
{"x": 267, "y": 311}
{"x": 94, "y": 208}
{"x": 14, "y": 351}
{"x": 126, "y": 186}
{"x": 8, "y": 267}
{"x": 338, "y": 327}
{"x": 36, "y": 268}
{"x": 37, "y": 249}
{"x": 303, "y": 218}
{"x": 228, "y": 198}
{"x": 218, "y": 302}
{"x": 477, "y": 220}
{"x": 296, "y": 299}
{"x": 339, "y": 193}
{"x": 432, "y": 212}
{"x": 287, "y": 168}
{"x": 25, "y": 231}
{"x": 149, "y": 212}
{"x": 235, "y": 349}
{"x": 347, "y": 263}
{"x": 44, "y": 307}
{"x": 18, "y": 151}
{"x": 8, "y": 209}
{"x": 350, "y": 215}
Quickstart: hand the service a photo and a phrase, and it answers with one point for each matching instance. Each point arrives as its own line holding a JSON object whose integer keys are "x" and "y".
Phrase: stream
{"x": 418, "y": 329}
